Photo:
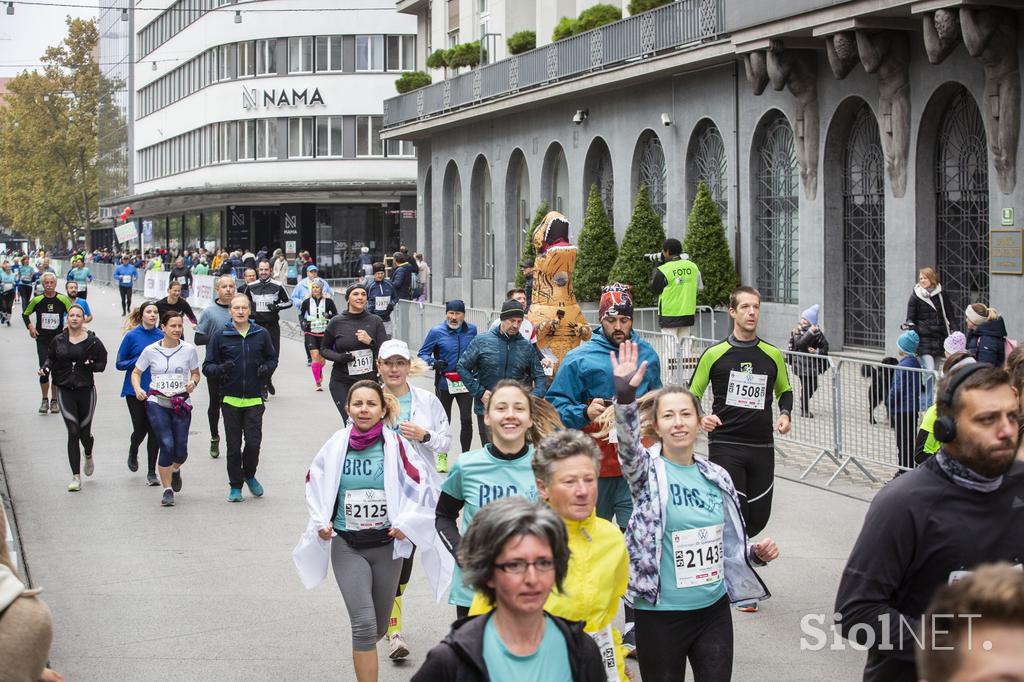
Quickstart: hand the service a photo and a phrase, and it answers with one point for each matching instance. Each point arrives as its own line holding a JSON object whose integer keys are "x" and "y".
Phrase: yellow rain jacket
{"x": 596, "y": 580}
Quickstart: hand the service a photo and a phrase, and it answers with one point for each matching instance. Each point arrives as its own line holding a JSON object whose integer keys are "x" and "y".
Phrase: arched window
{"x": 961, "y": 203}
{"x": 559, "y": 183}
{"x": 864, "y": 233}
{"x": 483, "y": 229}
{"x": 598, "y": 170}
{"x": 651, "y": 172}
{"x": 777, "y": 211}
{"x": 452, "y": 217}
{"x": 518, "y": 210}
{"x": 708, "y": 165}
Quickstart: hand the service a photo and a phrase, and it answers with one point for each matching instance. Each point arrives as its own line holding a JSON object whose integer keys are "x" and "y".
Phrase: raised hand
{"x": 624, "y": 368}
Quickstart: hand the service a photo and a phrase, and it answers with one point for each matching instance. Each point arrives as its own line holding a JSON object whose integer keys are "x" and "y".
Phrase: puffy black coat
{"x": 987, "y": 342}
{"x": 933, "y": 320}
{"x": 804, "y": 340}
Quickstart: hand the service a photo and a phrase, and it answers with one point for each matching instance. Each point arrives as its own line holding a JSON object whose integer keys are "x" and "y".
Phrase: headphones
{"x": 945, "y": 426}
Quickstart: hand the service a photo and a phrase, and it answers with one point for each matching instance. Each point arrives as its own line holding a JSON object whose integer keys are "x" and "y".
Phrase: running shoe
{"x": 75, "y": 485}
{"x": 750, "y": 607}
{"x": 152, "y": 478}
{"x": 215, "y": 447}
{"x": 45, "y": 407}
{"x": 397, "y": 649}
{"x": 235, "y": 495}
{"x": 54, "y": 407}
{"x": 168, "y": 499}
{"x": 133, "y": 462}
{"x": 629, "y": 643}
{"x": 176, "y": 481}
{"x": 319, "y": 387}
{"x": 441, "y": 462}
{"x": 88, "y": 466}
{"x": 254, "y": 486}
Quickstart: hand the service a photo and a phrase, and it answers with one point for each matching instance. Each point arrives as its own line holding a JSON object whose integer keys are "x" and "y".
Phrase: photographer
{"x": 675, "y": 281}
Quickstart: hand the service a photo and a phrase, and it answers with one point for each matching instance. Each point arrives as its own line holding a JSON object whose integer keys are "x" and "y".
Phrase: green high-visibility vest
{"x": 679, "y": 298}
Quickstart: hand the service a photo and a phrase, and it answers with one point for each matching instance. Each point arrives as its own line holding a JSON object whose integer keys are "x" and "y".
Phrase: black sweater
{"x": 72, "y": 365}
{"x": 340, "y": 341}
{"x": 920, "y": 528}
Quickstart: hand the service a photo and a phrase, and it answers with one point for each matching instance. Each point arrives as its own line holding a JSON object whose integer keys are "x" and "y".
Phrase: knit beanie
{"x": 955, "y": 343}
{"x": 616, "y": 299}
{"x": 811, "y": 314}
{"x": 455, "y": 306}
{"x": 908, "y": 342}
{"x": 511, "y": 308}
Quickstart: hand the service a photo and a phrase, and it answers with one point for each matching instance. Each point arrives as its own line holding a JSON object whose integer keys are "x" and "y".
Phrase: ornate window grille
{"x": 454, "y": 200}
{"x": 778, "y": 222}
{"x": 710, "y": 166}
{"x": 601, "y": 174}
{"x": 864, "y": 233}
{"x": 651, "y": 173}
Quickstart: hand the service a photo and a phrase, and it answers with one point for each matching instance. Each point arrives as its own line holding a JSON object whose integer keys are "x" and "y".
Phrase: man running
{"x": 126, "y": 275}
{"x": 268, "y": 300}
{"x": 76, "y": 298}
{"x": 182, "y": 274}
{"x": 441, "y": 350}
{"x": 214, "y": 318}
{"x": 933, "y": 526}
{"x": 44, "y": 318}
{"x": 380, "y": 292}
{"x": 744, "y": 372}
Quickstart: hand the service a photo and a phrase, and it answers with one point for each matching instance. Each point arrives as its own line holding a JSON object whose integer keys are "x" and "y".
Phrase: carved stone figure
{"x": 941, "y": 34}
{"x": 990, "y": 35}
{"x": 757, "y": 70}
{"x": 887, "y": 54}
{"x": 841, "y": 49}
{"x": 798, "y": 71}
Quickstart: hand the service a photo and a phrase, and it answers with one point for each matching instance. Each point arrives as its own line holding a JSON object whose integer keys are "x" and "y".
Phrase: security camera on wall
{"x": 665, "y": 120}
{"x": 580, "y": 116}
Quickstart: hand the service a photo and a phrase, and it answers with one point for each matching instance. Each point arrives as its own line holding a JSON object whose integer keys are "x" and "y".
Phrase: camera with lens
{"x": 654, "y": 257}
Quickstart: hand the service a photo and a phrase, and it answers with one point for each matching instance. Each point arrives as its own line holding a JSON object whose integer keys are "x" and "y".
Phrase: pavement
{"x": 207, "y": 589}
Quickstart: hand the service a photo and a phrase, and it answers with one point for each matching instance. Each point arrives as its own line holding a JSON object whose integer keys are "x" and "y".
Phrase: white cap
{"x": 393, "y": 347}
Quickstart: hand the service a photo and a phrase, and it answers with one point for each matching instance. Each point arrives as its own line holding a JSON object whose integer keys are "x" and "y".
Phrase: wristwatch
{"x": 426, "y": 437}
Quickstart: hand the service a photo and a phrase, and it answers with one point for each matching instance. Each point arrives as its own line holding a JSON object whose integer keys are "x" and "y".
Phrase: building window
{"x": 225, "y": 68}
{"x": 265, "y": 60}
{"x": 777, "y": 211}
{"x": 453, "y": 15}
{"x": 300, "y": 54}
{"x": 368, "y": 142}
{"x": 300, "y": 137}
{"x": 266, "y": 138}
{"x": 710, "y": 166}
{"x": 651, "y": 173}
{"x": 246, "y": 59}
{"x": 401, "y": 53}
{"x": 401, "y": 148}
{"x": 453, "y": 39}
{"x": 328, "y": 53}
{"x": 225, "y": 133}
{"x": 369, "y": 53}
{"x": 329, "y": 136}
{"x": 246, "y": 140}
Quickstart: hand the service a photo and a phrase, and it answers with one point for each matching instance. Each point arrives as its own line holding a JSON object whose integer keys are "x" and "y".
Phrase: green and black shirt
{"x": 49, "y": 314}
{"x": 743, "y": 376}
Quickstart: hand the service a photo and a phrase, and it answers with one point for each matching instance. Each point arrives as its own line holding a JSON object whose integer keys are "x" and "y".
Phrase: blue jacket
{"x": 987, "y": 342}
{"x": 446, "y": 345}
{"x": 905, "y": 390}
{"x": 249, "y": 359}
{"x": 132, "y": 345}
{"x": 402, "y": 279}
{"x": 125, "y": 270}
{"x": 381, "y": 288}
{"x": 492, "y": 356}
{"x": 586, "y": 374}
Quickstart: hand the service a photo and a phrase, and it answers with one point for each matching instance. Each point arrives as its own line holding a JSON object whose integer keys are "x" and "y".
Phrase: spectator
{"x": 527, "y": 268}
{"x": 423, "y": 270}
{"x": 365, "y": 262}
{"x": 675, "y": 282}
{"x": 404, "y": 277}
{"x": 930, "y": 314}
{"x": 904, "y": 398}
{"x": 986, "y": 334}
{"x": 280, "y": 268}
{"x": 808, "y": 338}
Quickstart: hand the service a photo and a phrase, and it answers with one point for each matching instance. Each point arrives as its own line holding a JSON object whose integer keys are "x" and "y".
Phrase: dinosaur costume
{"x": 554, "y": 312}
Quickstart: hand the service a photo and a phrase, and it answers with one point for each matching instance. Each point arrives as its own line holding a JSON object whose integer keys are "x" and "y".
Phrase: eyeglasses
{"x": 519, "y": 567}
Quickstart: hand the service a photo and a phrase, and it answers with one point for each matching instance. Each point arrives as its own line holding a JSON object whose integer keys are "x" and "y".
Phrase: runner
{"x": 181, "y": 274}
{"x": 142, "y": 331}
{"x": 566, "y": 466}
{"x": 27, "y": 276}
{"x": 314, "y": 314}
{"x": 526, "y": 329}
{"x": 8, "y": 284}
{"x": 44, "y": 318}
{"x": 74, "y": 356}
{"x": 689, "y": 552}
{"x": 502, "y": 467}
{"x": 514, "y": 553}
{"x": 368, "y": 501}
{"x": 422, "y": 422}
{"x": 80, "y": 274}
{"x": 441, "y": 350}
{"x": 249, "y": 276}
{"x": 268, "y": 300}
{"x": 173, "y": 365}
{"x": 381, "y": 295}
{"x": 174, "y": 302}
{"x": 743, "y": 372}
{"x": 301, "y": 292}
{"x": 214, "y": 318}
{"x": 71, "y": 287}
{"x": 351, "y": 342}
{"x": 126, "y": 275}
{"x": 241, "y": 355}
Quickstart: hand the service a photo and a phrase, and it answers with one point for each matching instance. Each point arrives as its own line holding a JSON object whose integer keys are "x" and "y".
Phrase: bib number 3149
{"x": 748, "y": 391}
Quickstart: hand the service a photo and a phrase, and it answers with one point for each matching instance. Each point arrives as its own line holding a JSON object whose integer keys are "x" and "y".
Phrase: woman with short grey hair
{"x": 514, "y": 552}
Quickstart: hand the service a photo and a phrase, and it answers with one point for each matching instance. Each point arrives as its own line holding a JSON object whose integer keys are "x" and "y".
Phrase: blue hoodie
{"x": 586, "y": 374}
{"x": 131, "y": 348}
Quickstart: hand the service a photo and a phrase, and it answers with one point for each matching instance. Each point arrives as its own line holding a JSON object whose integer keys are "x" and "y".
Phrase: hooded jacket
{"x": 401, "y": 278}
{"x": 987, "y": 342}
{"x": 240, "y": 362}
{"x": 932, "y": 317}
{"x": 443, "y": 347}
{"x": 460, "y": 655}
{"x": 492, "y": 357}
{"x": 381, "y": 289}
{"x": 75, "y": 374}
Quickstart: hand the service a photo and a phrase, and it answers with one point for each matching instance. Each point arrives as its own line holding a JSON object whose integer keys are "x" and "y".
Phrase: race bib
{"x": 606, "y": 644}
{"x": 361, "y": 363}
{"x": 747, "y": 390}
{"x": 8, "y": 286}
{"x": 126, "y": 279}
{"x": 167, "y": 384}
{"x": 381, "y": 302}
{"x": 613, "y": 436}
{"x": 317, "y": 325}
{"x": 50, "y": 321}
{"x": 264, "y": 302}
{"x": 456, "y": 387}
{"x": 366, "y": 509}
{"x": 697, "y": 554}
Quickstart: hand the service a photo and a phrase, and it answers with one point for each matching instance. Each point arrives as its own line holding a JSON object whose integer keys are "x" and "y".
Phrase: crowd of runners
{"x": 585, "y": 496}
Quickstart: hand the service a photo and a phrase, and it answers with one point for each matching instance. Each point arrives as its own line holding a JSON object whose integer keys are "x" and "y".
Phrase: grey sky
{"x": 26, "y": 35}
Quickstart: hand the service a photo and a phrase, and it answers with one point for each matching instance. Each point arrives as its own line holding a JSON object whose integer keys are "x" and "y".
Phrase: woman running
{"x": 142, "y": 331}
{"x": 368, "y": 503}
{"x": 173, "y": 365}
{"x": 688, "y": 547}
{"x": 501, "y": 468}
{"x": 351, "y": 341}
{"x": 174, "y": 302}
{"x": 27, "y": 275}
{"x": 314, "y": 314}
{"x": 421, "y": 421}
{"x": 8, "y": 284}
{"x": 75, "y": 355}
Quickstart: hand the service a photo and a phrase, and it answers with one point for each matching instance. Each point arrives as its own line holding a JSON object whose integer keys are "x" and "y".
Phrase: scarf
{"x": 964, "y": 477}
{"x": 360, "y": 440}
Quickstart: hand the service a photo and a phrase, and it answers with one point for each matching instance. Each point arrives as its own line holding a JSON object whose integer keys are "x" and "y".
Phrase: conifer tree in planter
{"x": 644, "y": 235}
{"x": 529, "y": 251}
{"x": 707, "y": 246}
{"x": 597, "y": 250}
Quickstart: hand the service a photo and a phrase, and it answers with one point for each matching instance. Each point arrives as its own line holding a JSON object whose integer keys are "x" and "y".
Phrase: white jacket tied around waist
{"x": 411, "y": 501}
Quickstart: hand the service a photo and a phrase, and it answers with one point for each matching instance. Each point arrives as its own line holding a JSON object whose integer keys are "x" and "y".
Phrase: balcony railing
{"x": 670, "y": 27}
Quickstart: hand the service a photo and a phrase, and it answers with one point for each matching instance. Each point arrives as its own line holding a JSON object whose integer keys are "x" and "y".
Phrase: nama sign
{"x": 253, "y": 99}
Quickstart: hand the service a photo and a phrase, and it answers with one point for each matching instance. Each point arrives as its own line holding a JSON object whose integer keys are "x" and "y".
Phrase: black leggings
{"x": 7, "y": 302}
{"x": 213, "y": 411}
{"x": 140, "y": 430}
{"x": 905, "y": 424}
{"x": 465, "y": 402}
{"x": 25, "y": 291}
{"x": 126, "y": 299}
{"x": 664, "y": 639}
{"x": 77, "y": 406}
{"x": 752, "y": 469}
